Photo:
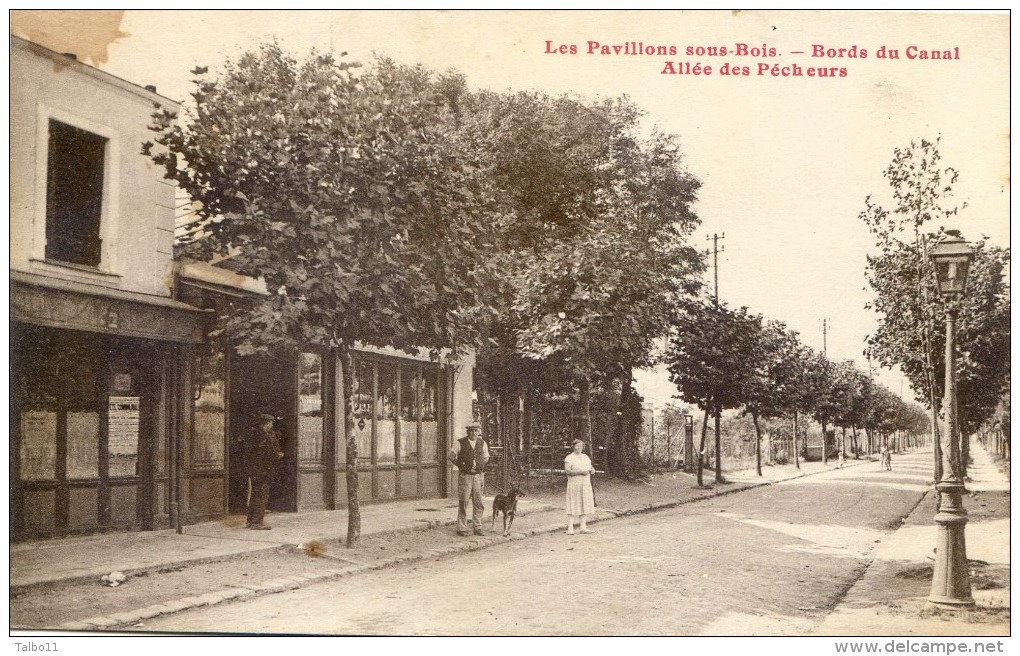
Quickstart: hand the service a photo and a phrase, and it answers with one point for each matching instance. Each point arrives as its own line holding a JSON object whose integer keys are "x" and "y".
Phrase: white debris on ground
{"x": 113, "y": 579}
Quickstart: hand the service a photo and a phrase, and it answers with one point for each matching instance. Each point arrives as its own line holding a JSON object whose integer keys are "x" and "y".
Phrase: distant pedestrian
{"x": 580, "y": 496}
{"x": 263, "y": 453}
{"x": 887, "y": 457}
{"x": 470, "y": 457}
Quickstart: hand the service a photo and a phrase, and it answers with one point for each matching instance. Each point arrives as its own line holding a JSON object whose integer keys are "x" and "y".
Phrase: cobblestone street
{"x": 773, "y": 560}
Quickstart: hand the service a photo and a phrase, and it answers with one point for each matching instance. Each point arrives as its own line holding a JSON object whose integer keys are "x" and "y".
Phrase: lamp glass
{"x": 951, "y": 273}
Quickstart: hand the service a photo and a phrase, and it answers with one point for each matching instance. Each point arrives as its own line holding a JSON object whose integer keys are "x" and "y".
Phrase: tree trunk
{"x": 353, "y": 503}
{"x": 718, "y": 447}
{"x": 825, "y": 444}
{"x": 796, "y": 451}
{"x": 701, "y": 450}
{"x": 632, "y": 422}
{"x": 529, "y": 402}
{"x": 586, "y": 417}
{"x": 964, "y": 453}
{"x": 616, "y": 460}
{"x": 652, "y": 445}
{"x": 757, "y": 432}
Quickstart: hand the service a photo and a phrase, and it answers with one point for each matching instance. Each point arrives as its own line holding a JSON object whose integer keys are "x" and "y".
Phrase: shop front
{"x": 399, "y": 426}
{"x": 98, "y": 393}
{"x": 405, "y": 413}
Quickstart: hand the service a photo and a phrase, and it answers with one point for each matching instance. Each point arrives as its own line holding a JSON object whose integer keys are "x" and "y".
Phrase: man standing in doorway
{"x": 470, "y": 457}
{"x": 264, "y": 452}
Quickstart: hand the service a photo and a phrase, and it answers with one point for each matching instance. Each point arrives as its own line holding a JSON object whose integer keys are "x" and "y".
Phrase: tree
{"x": 348, "y": 193}
{"x": 911, "y": 314}
{"x": 708, "y": 361}
{"x": 982, "y": 337}
{"x": 808, "y": 370}
{"x": 590, "y": 246}
{"x": 920, "y": 189}
{"x": 673, "y": 419}
{"x": 775, "y": 377}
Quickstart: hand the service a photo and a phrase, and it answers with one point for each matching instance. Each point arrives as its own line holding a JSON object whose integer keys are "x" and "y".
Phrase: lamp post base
{"x": 950, "y": 583}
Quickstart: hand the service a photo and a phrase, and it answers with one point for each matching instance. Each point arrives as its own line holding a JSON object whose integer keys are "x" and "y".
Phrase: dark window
{"x": 74, "y": 194}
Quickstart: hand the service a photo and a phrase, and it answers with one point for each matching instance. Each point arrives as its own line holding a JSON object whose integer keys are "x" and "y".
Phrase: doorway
{"x": 261, "y": 384}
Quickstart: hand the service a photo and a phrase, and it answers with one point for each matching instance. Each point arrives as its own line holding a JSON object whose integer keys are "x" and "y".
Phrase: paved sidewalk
{"x": 891, "y": 598}
{"x": 90, "y": 557}
{"x": 888, "y": 600}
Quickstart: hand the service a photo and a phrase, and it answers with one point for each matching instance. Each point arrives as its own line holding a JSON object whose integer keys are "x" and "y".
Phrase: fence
{"x": 532, "y": 439}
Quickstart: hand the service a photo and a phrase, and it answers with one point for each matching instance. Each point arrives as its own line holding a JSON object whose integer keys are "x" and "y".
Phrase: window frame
{"x": 109, "y": 210}
{"x": 324, "y": 356}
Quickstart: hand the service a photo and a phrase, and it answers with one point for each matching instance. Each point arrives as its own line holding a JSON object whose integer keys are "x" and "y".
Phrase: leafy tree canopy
{"x": 343, "y": 188}
{"x": 912, "y": 315}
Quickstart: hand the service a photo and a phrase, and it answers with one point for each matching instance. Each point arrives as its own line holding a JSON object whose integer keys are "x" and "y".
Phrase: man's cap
{"x": 474, "y": 425}
{"x": 267, "y": 416}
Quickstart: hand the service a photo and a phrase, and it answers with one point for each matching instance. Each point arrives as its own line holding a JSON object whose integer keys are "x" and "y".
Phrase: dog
{"x": 506, "y": 503}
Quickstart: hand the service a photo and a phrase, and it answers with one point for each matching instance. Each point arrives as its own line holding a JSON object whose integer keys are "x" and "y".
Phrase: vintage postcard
{"x": 511, "y": 323}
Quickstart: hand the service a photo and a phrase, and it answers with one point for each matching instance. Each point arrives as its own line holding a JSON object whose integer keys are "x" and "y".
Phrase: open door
{"x": 263, "y": 384}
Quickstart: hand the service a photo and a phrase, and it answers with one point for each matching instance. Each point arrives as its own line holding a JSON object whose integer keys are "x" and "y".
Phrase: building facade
{"x": 407, "y": 412}
{"x": 99, "y": 348}
{"x": 125, "y": 413}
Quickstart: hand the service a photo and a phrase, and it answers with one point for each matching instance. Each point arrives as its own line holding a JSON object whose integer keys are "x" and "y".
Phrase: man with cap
{"x": 263, "y": 452}
{"x": 470, "y": 457}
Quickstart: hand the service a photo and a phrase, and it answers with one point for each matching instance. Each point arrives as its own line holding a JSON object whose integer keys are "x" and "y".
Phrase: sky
{"x": 785, "y": 160}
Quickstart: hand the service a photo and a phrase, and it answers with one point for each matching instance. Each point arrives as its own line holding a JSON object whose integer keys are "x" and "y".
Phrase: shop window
{"x": 410, "y": 411}
{"x": 386, "y": 414}
{"x": 210, "y": 410}
{"x": 310, "y": 409}
{"x": 54, "y": 380}
{"x": 74, "y": 194}
{"x": 363, "y": 401}
{"x": 429, "y": 414}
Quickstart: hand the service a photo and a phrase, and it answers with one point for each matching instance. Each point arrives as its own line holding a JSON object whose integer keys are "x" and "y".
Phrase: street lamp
{"x": 950, "y": 584}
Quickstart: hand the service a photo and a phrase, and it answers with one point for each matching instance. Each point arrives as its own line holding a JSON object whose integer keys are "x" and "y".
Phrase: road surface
{"x": 772, "y": 560}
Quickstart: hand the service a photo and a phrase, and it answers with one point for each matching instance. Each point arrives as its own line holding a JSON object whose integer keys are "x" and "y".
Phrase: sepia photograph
{"x": 507, "y": 323}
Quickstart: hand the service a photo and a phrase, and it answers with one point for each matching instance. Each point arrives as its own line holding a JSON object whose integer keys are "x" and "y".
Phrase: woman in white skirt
{"x": 580, "y": 497}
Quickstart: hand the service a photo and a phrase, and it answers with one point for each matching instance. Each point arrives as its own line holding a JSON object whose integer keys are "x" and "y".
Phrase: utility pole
{"x": 825, "y": 354}
{"x": 715, "y": 260}
{"x": 715, "y": 269}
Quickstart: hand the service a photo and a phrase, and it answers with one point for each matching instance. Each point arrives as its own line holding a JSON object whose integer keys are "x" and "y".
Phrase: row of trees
{"x": 724, "y": 358}
{"x": 911, "y": 313}
{"x": 391, "y": 206}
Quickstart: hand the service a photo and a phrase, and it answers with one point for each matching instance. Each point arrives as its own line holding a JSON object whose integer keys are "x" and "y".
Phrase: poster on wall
{"x": 38, "y": 445}
{"x": 123, "y": 420}
{"x": 82, "y": 445}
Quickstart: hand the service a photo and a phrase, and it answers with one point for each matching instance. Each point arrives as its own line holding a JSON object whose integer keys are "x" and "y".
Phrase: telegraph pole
{"x": 716, "y": 248}
{"x": 825, "y": 354}
{"x": 715, "y": 267}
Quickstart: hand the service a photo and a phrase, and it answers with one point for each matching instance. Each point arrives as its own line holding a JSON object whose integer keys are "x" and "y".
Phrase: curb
{"x": 421, "y": 525}
{"x": 272, "y": 586}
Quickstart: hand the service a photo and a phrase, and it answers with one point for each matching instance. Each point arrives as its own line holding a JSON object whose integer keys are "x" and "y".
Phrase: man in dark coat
{"x": 470, "y": 457}
{"x": 263, "y": 453}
